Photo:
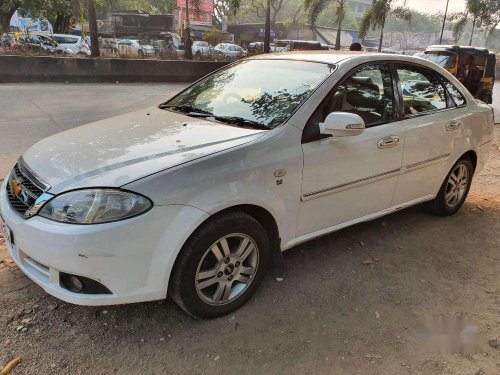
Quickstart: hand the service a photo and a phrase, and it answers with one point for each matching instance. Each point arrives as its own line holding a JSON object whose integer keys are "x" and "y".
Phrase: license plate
{"x": 6, "y": 232}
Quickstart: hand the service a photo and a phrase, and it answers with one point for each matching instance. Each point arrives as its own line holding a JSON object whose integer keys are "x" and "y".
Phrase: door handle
{"x": 389, "y": 141}
{"x": 452, "y": 125}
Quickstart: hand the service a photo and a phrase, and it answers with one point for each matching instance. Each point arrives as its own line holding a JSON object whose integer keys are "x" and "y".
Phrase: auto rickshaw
{"x": 473, "y": 66}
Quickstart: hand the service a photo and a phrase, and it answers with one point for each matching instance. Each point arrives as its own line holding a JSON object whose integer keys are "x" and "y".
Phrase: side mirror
{"x": 342, "y": 124}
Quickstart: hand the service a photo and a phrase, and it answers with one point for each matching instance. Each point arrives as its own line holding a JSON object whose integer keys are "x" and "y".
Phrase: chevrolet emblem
{"x": 15, "y": 188}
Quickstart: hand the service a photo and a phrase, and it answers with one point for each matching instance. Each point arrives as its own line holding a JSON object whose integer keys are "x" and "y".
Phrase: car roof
{"x": 335, "y": 57}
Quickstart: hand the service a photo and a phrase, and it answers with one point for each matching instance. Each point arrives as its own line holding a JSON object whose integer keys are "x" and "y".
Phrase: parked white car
{"x": 197, "y": 196}
{"x": 201, "y": 49}
{"x": 135, "y": 48}
{"x": 230, "y": 51}
{"x": 74, "y": 43}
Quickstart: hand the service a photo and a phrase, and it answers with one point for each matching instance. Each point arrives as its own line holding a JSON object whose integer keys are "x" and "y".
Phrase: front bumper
{"x": 132, "y": 258}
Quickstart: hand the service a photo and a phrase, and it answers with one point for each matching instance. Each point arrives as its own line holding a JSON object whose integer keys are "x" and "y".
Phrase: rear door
{"x": 433, "y": 125}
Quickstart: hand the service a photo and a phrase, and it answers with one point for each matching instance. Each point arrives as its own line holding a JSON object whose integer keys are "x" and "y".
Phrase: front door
{"x": 345, "y": 178}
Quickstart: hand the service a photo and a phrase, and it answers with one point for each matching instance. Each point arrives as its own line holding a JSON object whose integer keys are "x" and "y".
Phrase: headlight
{"x": 94, "y": 206}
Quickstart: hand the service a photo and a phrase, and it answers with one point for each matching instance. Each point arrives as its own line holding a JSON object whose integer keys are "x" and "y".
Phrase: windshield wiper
{"x": 241, "y": 122}
{"x": 187, "y": 109}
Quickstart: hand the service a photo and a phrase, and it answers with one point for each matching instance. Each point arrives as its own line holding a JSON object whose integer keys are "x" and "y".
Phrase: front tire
{"x": 454, "y": 189}
{"x": 220, "y": 266}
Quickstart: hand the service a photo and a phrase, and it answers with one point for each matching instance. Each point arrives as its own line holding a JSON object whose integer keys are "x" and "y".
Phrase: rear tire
{"x": 454, "y": 189}
{"x": 220, "y": 266}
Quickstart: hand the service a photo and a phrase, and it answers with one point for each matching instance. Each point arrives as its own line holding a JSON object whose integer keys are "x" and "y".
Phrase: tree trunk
{"x": 339, "y": 28}
{"x": 7, "y": 14}
{"x": 381, "y": 36}
{"x": 61, "y": 24}
{"x": 94, "y": 40}
{"x": 267, "y": 32}
{"x": 472, "y": 31}
{"x": 188, "y": 52}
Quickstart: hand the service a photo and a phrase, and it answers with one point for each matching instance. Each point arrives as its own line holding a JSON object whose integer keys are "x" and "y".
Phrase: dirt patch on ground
{"x": 331, "y": 314}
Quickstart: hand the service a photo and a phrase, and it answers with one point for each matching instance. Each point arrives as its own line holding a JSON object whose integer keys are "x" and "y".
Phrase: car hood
{"x": 119, "y": 150}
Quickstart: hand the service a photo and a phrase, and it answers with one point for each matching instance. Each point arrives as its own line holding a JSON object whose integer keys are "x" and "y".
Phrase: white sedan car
{"x": 230, "y": 51}
{"x": 135, "y": 48}
{"x": 75, "y": 43}
{"x": 196, "y": 197}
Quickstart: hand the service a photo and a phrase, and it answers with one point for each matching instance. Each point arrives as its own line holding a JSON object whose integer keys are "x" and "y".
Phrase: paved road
{"x": 30, "y": 112}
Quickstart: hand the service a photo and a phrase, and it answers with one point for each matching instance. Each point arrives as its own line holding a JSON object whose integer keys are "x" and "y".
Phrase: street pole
{"x": 267, "y": 32}
{"x": 188, "y": 53}
{"x": 94, "y": 40}
{"x": 444, "y": 21}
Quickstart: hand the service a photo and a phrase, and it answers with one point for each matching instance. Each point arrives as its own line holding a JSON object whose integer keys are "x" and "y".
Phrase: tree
{"x": 150, "y": 6}
{"x": 223, "y": 8}
{"x": 267, "y": 31}
{"x": 57, "y": 10}
{"x": 325, "y": 18}
{"x": 213, "y": 37}
{"x": 196, "y": 10}
{"x": 376, "y": 16}
{"x": 482, "y": 13}
{"x": 7, "y": 10}
{"x": 316, "y": 7}
{"x": 92, "y": 17}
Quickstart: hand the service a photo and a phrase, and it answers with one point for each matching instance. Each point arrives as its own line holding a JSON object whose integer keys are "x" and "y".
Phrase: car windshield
{"x": 47, "y": 41}
{"x": 262, "y": 92}
{"x": 443, "y": 59}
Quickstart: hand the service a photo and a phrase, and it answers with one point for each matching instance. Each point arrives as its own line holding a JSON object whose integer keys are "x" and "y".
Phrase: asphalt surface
{"x": 31, "y": 112}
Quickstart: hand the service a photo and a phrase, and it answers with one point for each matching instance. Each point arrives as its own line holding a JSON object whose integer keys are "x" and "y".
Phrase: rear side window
{"x": 458, "y": 98}
{"x": 422, "y": 90}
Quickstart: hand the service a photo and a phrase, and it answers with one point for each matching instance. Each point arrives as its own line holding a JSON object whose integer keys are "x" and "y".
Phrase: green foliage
{"x": 290, "y": 12}
{"x": 420, "y": 22}
{"x": 46, "y": 9}
{"x": 213, "y": 37}
{"x": 482, "y": 13}
{"x": 328, "y": 18}
{"x": 376, "y": 16}
{"x": 150, "y": 6}
{"x": 225, "y": 8}
{"x": 329, "y": 13}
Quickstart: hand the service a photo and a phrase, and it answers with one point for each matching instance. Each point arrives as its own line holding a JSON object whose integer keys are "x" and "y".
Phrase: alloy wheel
{"x": 456, "y": 186}
{"x": 227, "y": 269}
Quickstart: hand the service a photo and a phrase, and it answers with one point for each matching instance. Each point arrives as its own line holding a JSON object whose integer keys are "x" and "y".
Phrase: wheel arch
{"x": 264, "y": 217}
{"x": 259, "y": 213}
{"x": 471, "y": 154}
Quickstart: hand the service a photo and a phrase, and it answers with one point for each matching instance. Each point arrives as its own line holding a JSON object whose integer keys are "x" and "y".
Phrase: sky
{"x": 434, "y": 6}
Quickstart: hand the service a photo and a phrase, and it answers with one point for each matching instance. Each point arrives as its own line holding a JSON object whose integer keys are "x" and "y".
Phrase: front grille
{"x": 29, "y": 188}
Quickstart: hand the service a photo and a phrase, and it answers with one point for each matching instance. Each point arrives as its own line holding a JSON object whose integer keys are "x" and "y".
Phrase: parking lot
{"x": 327, "y": 314}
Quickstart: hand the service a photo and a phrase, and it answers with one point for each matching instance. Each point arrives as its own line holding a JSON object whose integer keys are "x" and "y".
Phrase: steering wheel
{"x": 229, "y": 95}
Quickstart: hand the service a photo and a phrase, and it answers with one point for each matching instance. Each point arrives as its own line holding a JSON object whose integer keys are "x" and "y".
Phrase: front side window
{"x": 265, "y": 92}
{"x": 368, "y": 93}
{"x": 422, "y": 90}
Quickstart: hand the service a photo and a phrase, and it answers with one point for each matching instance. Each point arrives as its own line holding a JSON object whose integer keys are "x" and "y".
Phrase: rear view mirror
{"x": 342, "y": 124}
